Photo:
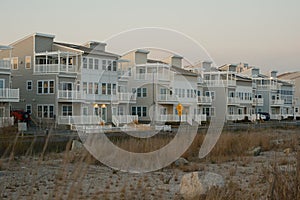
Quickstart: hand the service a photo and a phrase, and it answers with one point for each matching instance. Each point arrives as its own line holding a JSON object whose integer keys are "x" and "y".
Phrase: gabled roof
{"x": 290, "y": 75}
{"x": 87, "y": 50}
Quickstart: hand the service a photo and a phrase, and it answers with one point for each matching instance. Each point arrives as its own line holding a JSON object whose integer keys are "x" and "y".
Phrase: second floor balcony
{"x": 258, "y": 101}
{"x": 82, "y": 96}
{"x": 56, "y": 62}
{"x": 9, "y": 95}
{"x": 277, "y": 102}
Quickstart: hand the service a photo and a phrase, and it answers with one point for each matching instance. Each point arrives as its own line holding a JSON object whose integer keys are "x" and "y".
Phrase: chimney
{"x": 97, "y": 45}
{"x": 141, "y": 56}
{"x": 206, "y": 66}
{"x": 176, "y": 61}
{"x": 273, "y": 74}
{"x": 255, "y": 72}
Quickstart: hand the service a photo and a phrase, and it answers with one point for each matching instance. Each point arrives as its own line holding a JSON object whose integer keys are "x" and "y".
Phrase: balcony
{"x": 79, "y": 96}
{"x": 166, "y": 98}
{"x": 277, "y": 102}
{"x": 268, "y": 87}
{"x": 233, "y": 100}
{"x": 9, "y": 95}
{"x": 54, "y": 68}
{"x": 71, "y": 95}
{"x": 154, "y": 77}
{"x": 4, "y": 64}
{"x": 126, "y": 97}
{"x": 258, "y": 102}
{"x": 6, "y": 121}
{"x": 220, "y": 83}
{"x": 204, "y": 100}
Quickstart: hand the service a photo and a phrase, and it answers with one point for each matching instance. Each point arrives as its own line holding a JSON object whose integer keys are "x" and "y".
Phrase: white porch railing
{"x": 54, "y": 68}
{"x": 275, "y": 116}
{"x": 154, "y": 76}
{"x": 258, "y": 101}
{"x": 237, "y": 117}
{"x": 277, "y": 102}
{"x": 233, "y": 100}
{"x": 184, "y": 118}
{"x": 204, "y": 100}
{"x": 4, "y": 64}
{"x": 126, "y": 97}
{"x": 123, "y": 119}
{"x": 9, "y": 95}
{"x": 80, "y": 120}
{"x": 71, "y": 94}
{"x": 167, "y": 97}
{"x": 6, "y": 121}
{"x": 219, "y": 83}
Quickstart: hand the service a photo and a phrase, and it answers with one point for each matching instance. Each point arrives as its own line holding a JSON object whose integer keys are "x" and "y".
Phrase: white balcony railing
{"x": 54, "y": 68}
{"x": 71, "y": 95}
{"x": 258, "y": 101}
{"x": 9, "y": 95}
{"x": 204, "y": 100}
{"x": 154, "y": 76}
{"x": 4, "y": 64}
{"x": 184, "y": 118}
{"x": 167, "y": 98}
{"x": 277, "y": 102}
{"x": 124, "y": 119}
{"x": 80, "y": 95}
{"x": 233, "y": 100}
{"x": 126, "y": 97}
{"x": 6, "y": 121}
{"x": 219, "y": 83}
{"x": 80, "y": 120}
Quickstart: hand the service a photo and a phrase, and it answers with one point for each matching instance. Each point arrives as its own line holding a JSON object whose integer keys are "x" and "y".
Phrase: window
{"x": 114, "y": 89}
{"x": 96, "y": 64}
{"x": 109, "y": 65}
{"x": 141, "y": 111}
{"x": 144, "y": 92}
{"x": 84, "y": 87}
{"x": 45, "y": 111}
{"x": 91, "y": 63}
{"x": 45, "y": 87}
{"x": 29, "y": 85}
{"x": 67, "y": 110}
{"x": 141, "y": 92}
{"x": 84, "y": 61}
{"x": 103, "y": 88}
{"x": 15, "y": 63}
{"x": 96, "y": 88}
{"x": 85, "y": 111}
{"x": 103, "y": 64}
{"x": 109, "y": 88}
{"x": 28, "y": 62}
{"x": 296, "y": 110}
{"x": 114, "y": 66}
{"x": 133, "y": 110}
{"x": 28, "y": 108}
{"x": 90, "y": 88}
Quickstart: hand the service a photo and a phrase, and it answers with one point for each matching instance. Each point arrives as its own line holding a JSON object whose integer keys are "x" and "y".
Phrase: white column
{"x": 67, "y": 63}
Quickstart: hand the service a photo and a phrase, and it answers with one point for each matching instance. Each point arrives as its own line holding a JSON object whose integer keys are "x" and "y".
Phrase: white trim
{"x": 37, "y": 87}
{"x": 48, "y": 117}
{"x": 12, "y": 63}
{"x": 30, "y": 107}
{"x": 26, "y": 62}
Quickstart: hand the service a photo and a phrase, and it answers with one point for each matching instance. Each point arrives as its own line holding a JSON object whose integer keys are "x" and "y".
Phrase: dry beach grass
{"x": 57, "y": 173}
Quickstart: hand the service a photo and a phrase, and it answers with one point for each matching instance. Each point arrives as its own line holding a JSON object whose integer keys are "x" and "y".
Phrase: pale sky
{"x": 264, "y": 33}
